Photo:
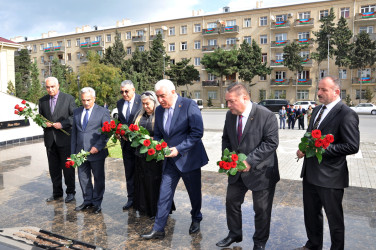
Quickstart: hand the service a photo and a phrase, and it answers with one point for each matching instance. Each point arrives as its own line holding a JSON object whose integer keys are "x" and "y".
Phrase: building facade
{"x": 7, "y": 49}
{"x": 192, "y": 37}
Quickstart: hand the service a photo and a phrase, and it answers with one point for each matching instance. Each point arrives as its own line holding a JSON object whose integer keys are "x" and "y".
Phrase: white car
{"x": 114, "y": 113}
{"x": 365, "y": 108}
{"x": 305, "y": 104}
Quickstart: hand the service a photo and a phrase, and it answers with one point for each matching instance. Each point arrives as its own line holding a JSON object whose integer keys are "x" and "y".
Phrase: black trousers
{"x": 57, "y": 157}
{"x": 301, "y": 122}
{"x": 314, "y": 199}
{"x": 262, "y": 205}
{"x": 129, "y": 159}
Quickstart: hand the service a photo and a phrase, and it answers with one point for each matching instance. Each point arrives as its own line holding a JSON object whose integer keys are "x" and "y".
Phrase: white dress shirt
{"x": 327, "y": 110}
{"x": 245, "y": 115}
{"x": 83, "y": 114}
{"x": 126, "y": 103}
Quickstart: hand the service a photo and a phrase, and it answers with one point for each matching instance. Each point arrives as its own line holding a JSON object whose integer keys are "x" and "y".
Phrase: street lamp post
{"x": 78, "y": 85}
{"x": 328, "y": 36}
{"x": 164, "y": 64}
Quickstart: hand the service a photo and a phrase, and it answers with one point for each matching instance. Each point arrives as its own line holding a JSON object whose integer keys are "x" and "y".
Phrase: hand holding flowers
{"x": 231, "y": 162}
{"x": 314, "y": 144}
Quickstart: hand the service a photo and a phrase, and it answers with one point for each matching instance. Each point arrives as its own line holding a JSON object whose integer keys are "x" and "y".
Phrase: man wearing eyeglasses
{"x": 128, "y": 107}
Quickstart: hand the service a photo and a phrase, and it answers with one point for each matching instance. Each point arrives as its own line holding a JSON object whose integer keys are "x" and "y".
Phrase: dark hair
{"x": 239, "y": 89}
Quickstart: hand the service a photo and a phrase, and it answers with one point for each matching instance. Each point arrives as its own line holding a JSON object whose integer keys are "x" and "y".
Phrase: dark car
{"x": 274, "y": 104}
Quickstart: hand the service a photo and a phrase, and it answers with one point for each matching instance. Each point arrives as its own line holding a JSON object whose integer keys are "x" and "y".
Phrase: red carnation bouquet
{"x": 28, "y": 112}
{"x": 314, "y": 144}
{"x": 231, "y": 162}
{"x": 75, "y": 160}
{"x": 156, "y": 150}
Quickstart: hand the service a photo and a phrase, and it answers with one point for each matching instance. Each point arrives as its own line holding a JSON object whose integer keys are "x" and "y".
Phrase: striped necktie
{"x": 319, "y": 118}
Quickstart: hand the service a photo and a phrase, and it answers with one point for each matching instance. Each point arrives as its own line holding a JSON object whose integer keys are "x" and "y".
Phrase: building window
{"x": 363, "y": 94}
{"x": 367, "y": 29}
{"x": 87, "y": 39}
{"x": 303, "y": 74}
{"x": 98, "y": 38}
{"x": 183, "y": 30}
{"x": 42, "y": 46}
{"x": 281, "y": 18}
{"x": 231, "y": 40}
{"x": 100, "y": 53}
{"x": 304, "y": 54}
{"x": 68, "y": 43}
{"x": 342, "y": 74}
{"x": 248, "y": 39}
{"x": 34, "y": 48}
{"x": 212, "y": 42}
{"x": 50, "y": 45}
{"x": 212, "y": 25}
{"x": 279, "y": 56}
{"x": 197, "y": 44}
{"x": 281, "y": 36}
{"x": 78, "y": 55}
{"x": 78, "y": 42}
{"x": 128, "y": 35}
{"x": 158, "y": 31}
{"x": 263, "y": 21}
{"x": 197, "y": 94}
{"x": 303, "y": 35}
{"x": 324, "y": 13}
{"x": 141, "y": 48}
{"x": 108, "y": 38}
{"x": 262, "y": 94}
{"x": 364, "y": 73}
{"x": 279, "y": 94}
{"x": 171, "y": 31}
{"x": 302, "y": 94}
{"x": 129, "y": 50}
{"x": 172, "y": 61}
{"x": 69, "y": 57}
{"x": 42, "y": 59}
{"x": 140, "y": 33}
{"x": 263, "y": 78}
{"x": 43, "y": 73}
{"x": 197, "y": 61}
{"x": 263, "y": 39}
{"x": 304, "y": 15}
{"x": 345, "y": 12}
{"x": 197, "y": 27}
{"x": 264, "y": 57}
{"x": 212, "y": 95}
{"x": 247, "y": 22}
{"x": 211, "y": 77}
{"x": 59, "y": 43}
{"x": 231, "y": 22}
{"x": 280, "y": 75}
{"x": 171, "y": 47}
{"x": 368, "y": 8}
{"x": 184, "y": 46}
{"x": 343, "y": 93}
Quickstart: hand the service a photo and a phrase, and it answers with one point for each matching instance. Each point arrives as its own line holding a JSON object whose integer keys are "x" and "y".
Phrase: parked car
{"x": 199, "y": 103}
{"x": 365, "y": 108}
{"x": 274, "y": 104}
{"x": 114, "y": 113}
{"x": 305, "y": 104}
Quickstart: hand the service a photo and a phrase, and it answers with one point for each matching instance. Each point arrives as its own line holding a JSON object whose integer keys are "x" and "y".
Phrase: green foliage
{"x": 210, "y": 102}
{"x": 115, "y": 54}
{"x": 250, "y": 62}
{"x": 158, "y": 59}
{"x": 342, "y": 36}
{"x": 60, "y": 71}
{"x": 348, "y": 100}
{"x": 183, "y": 73}
{"x": 326, "y": 28}
{"x": 79, "y": 158}
{"x": 36, "y": 91}
{"x": 291, "y": 57}
{"x": 225, "y": 165}
{"x": 261, "y": 94}
{"x": 368, "y": 95}
{"x": 22, "y": 70}
{"x": 363, "y": 53}
{"x": 11, "y": 90}
{"x": 221, "y": 62}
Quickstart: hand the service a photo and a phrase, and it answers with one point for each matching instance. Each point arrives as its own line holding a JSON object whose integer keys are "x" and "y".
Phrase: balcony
{"x": 279, "y": 44}
{"x": 153, "y": 37}
{"x": 372, "y": 36}
{"x": 211, "y": 31}
{"x": 307, "y": 62}
{"x": 93, "y": 44}
{"x": 305, "y": 22}
{"x": 277, "y": 63}
{"x": 230, "y": 29}
{"x": 363, "y": 80}
{"x": 304, "y": 41}
{"x": 139, "y": 39}
{"x": 209, "y": 48}
{"x": 210, "y": 83}
{"x": 365, "y": 17}
{"x": 49, "y": 63}
{"x": 302, "y": 82}
{"x": 84, "y": 60}
{"x": 55, "y": 49}
{"x": 279, "y": 82}
{"x": 280, "y": 25}
{"x": 228, "y": 46}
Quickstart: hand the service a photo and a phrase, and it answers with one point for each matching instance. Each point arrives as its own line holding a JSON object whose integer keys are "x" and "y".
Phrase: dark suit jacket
{"x": 135, "y": 108}
{"x": 299, "y": 112}
{"x": 91, "y": 136}
{"x": 186, "y": 131}
{"x": 63, "y": 113}
{"x": 259, "y": 142}
{"x": 343, "y": 123}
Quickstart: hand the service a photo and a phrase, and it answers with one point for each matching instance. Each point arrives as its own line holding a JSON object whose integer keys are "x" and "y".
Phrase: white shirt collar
{"x": 332, "y": 104}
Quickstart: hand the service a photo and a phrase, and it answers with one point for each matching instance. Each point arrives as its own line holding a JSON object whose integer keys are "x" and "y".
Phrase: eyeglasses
{"x": 125, "y": 91}
{"x": 147, "y": 94}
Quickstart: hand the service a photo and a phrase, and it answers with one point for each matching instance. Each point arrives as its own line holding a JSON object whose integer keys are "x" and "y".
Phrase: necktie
{"x": 240, "y": 128}
{"x": 168, "y": 122}
{"x": 53, "y": 104}
{"x": 319, "y": 118}
{"x": 128, "y": 112}
{"x": 86, "y": 119}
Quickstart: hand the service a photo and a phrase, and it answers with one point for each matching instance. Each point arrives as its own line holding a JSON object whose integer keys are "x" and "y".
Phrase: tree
{"x": 183, "y": 73}
{"x": 60, "y": 71}
{"x": 363, "y": 55}
{"x": 11, "y": 90}
{"x": 22, "y": 71}
{"x": 221, "y": 63}
{"x": 368, "y": 95}
{"x": 35, "y": 91}
{"x": 158, "y": 59}
{"x": 115, "y": 54}
{"x": 138, "y": 70}
{"x": 250, "y": 62}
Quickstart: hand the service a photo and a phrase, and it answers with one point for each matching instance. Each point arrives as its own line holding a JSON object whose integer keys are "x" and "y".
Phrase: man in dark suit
{"x": 128, "y": 107}
{"x": 178, "y": 121}
{"x": 300, "y": 117}
{"x": 58, "y": 108}
{"x": 323, "y": 184}
{"x": 252, "y": 130}
{"x": 86, "y": 135}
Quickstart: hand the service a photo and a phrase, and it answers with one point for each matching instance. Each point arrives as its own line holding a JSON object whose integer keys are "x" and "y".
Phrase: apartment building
{"x": 193, "y": 37}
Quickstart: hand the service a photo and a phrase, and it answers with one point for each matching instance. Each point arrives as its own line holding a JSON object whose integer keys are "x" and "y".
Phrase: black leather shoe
{"x": 96, "y": 210}
{"x": 53, "y": 198}
{"x": 153, "y": 235}
{"x": 258, "y": 247}
{"x": 83, "y": 206}
{"x": 128, "y": 205}
{"x": 195, "y": 227}
{"x": 69, "y": 198}
{"x": 228, "y": 241}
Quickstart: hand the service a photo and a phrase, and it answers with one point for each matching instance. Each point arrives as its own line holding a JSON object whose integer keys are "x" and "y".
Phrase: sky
{"x": 31, "y": 18}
